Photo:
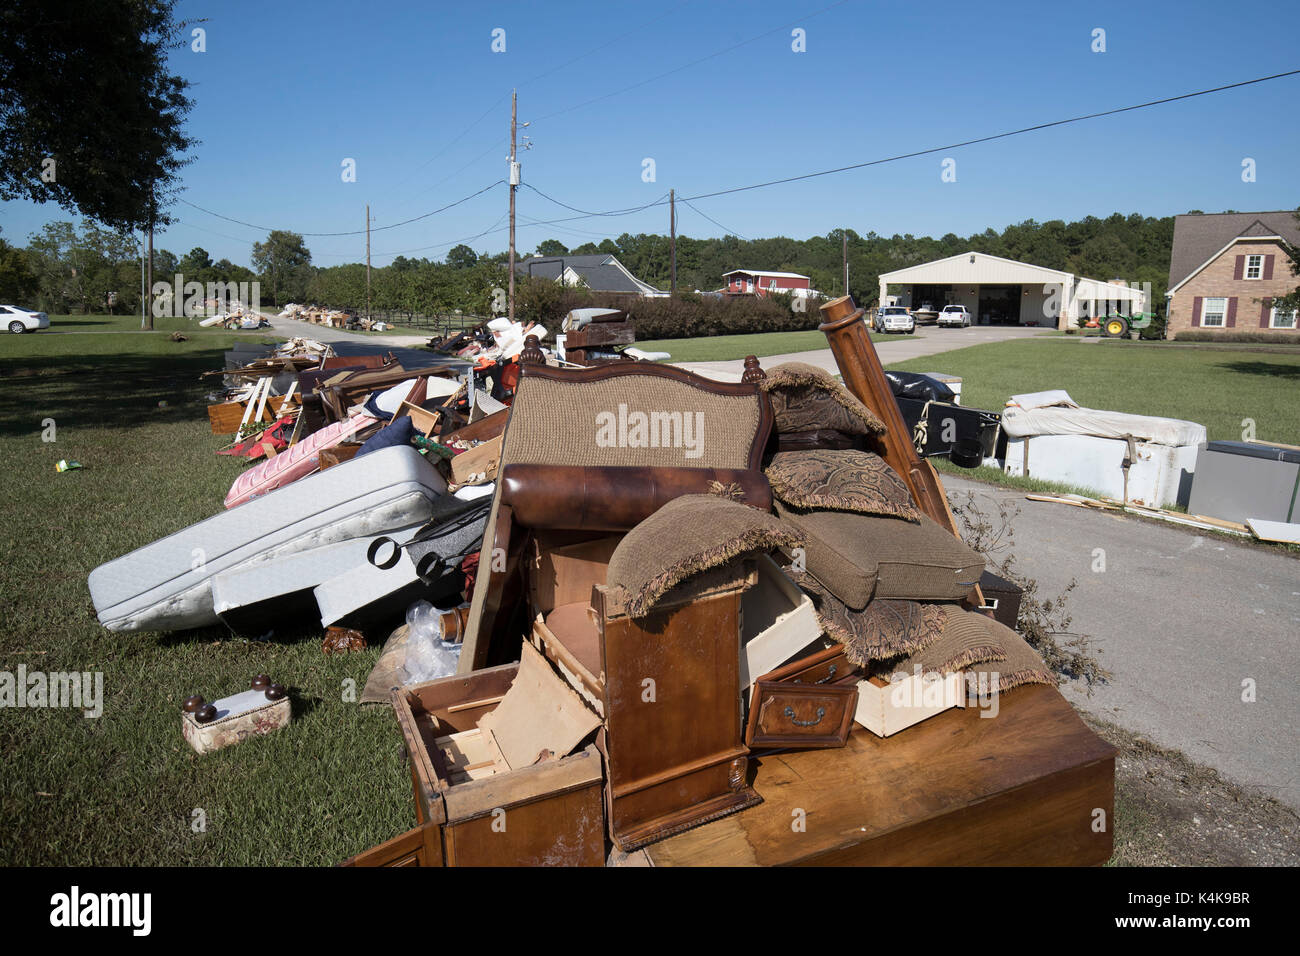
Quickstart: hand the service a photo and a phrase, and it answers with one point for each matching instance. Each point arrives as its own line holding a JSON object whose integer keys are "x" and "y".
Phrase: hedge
{"x": 1269, "y": 338}
{"x": 687, "y": 315}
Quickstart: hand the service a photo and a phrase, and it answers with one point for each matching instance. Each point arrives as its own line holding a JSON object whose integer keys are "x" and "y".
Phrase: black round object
{"x": 966, "y": 453}
{"x": 261, "y": 682}
{"x": 192, "y": 703}
{"x": 275, "y": 692}
{"x": 206, "y": 713}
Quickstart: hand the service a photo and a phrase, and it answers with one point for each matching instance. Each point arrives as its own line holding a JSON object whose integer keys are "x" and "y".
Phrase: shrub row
{"x": 687, "y": 315}
{"x": 1269, "y": 338}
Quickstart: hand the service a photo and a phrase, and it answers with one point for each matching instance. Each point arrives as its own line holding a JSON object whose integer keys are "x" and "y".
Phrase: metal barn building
{"x": 999, "y": 291}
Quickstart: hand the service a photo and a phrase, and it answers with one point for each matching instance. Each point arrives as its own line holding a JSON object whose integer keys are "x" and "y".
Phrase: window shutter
{"x": 1265, "y": 307}
{"x": 1239, "y": 269}
{"x": 1196, "y": 311}
{"x": 1268, "y": 267}
{"x": 1230, "y": 320}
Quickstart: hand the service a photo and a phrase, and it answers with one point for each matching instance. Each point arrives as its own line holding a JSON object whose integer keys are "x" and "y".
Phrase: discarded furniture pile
{"x": 732, "y": 623}
{"x": 238, "y": 318}
{"x": 650, "y": 618}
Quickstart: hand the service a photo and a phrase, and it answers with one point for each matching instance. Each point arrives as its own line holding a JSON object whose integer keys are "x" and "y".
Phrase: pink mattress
{"x": 292, "y": 464}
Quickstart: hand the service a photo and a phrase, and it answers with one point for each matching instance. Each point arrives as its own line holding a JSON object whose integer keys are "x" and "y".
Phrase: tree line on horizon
{"x": 63, "y": 267}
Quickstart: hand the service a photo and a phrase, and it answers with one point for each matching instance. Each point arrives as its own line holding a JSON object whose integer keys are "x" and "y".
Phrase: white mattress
{"x": 1072, "y": 420}
{"x": 166, "y": 585}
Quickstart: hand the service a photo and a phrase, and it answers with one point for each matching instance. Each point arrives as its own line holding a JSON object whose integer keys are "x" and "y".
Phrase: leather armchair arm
{"x": 610, "y": 498}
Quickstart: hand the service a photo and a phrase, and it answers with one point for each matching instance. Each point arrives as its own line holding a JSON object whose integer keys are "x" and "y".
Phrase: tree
{"x": 552, "y": 247}
{"x": 195, "y": 264}
{"x": 283, "y": 263}
{"x": 462, "y": 257}
{"x": 83, "y": 267}
{"x": 1291, "y": 301}
{"x": 90, "y": 117}
{"x": 17, "y": 280}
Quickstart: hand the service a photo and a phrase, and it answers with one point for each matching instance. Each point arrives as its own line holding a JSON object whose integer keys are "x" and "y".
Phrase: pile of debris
{"x": 239, "y": 318}
{"x": 646, "y": 579}
{"x": 588, "y": 337}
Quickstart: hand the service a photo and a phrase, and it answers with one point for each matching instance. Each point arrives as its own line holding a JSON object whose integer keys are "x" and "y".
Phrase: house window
{"x": 1212, "y": 312}
{"x": 1254, "y": 267}
{"x": 1282, "y": 320}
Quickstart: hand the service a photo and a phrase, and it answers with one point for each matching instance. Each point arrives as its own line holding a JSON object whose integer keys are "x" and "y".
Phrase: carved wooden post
{"x": 532, "y": 353}
{"x": 753, "y": 373}
{"x": 865, "y": 377}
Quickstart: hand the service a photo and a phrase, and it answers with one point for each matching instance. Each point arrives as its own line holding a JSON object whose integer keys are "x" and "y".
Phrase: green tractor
{"x": 1118, "y": 326}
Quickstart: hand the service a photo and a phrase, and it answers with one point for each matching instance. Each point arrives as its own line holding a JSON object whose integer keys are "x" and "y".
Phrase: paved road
{"x": 900, "y": 348}
{"x": 1181, "y": 619}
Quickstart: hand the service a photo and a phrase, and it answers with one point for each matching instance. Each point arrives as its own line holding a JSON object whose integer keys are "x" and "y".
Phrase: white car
{"x": 18, "y": 320}
{"x": 895, "y": 318}
{"x": 955, "y": 315}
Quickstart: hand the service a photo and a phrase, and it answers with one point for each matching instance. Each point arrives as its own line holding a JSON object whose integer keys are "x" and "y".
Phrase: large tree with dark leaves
{"x": 90, "y": 115}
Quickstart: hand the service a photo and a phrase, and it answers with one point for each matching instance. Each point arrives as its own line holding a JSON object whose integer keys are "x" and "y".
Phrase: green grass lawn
{"x": 720, "y": 348}
{"x": 124, "y": 788}
{"x": 1217, "y": 387}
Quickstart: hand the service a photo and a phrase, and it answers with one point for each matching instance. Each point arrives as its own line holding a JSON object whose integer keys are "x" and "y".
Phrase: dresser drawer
{"x": 786, "y": 714}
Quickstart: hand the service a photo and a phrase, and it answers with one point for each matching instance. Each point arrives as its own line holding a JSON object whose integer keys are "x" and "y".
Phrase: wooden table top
{"x": 946, "y": 787}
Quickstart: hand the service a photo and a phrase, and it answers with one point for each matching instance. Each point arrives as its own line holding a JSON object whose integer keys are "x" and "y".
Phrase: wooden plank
{"x": 1279, "y": 531}
{"x": 960, "y": 788}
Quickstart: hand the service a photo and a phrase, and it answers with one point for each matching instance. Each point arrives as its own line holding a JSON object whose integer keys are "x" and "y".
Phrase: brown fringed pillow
{"x": 685, "y": 537}
{"x": 995, "y": 657}
{"x": 882, "y": 630}
{"x": 805, "y": 398}
{"x": 845, "y": 480}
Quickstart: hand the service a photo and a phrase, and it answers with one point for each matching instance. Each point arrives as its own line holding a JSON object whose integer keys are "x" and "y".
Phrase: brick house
{"x": 1226, "y": 269}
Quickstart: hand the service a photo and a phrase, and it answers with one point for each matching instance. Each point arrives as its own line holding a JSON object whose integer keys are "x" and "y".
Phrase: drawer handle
{"x": 789, "y": 712}
{"x": 829, "y": 674}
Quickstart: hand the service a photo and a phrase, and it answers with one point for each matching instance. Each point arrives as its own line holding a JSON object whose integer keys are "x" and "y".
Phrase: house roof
{"x": 1200, "y": 238}
{"x": 975, "y": 267}
{"x": 600, "y": 272}
{"x": 764, "y": 272}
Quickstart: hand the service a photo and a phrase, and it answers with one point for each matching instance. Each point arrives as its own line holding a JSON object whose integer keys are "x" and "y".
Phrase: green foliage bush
{"x": 1262, "y": 338}
{"x": 688, "y": 315}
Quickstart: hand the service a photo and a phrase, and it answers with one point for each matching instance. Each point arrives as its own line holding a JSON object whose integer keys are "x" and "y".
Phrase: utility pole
{"x": 149, "y": 280}
{"x": 144, "y": 291}
{"x": 514, "y": 184}
{"x": 844, "y": 237}
{"x": 672, "y": 231}
{"x": 367, "y": 260}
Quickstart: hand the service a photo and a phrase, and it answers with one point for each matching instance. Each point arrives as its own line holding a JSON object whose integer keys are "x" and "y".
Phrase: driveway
{"x": 927, "y": 341}
{"x": 1183, "y": 621}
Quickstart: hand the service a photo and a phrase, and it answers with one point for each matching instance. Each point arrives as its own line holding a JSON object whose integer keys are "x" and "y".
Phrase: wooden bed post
{"x": 864, "y": 376}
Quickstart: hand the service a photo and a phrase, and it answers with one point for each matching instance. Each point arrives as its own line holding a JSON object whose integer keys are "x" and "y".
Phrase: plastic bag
{"x": 428, "y": 656}
{"x": 915, "y": 385}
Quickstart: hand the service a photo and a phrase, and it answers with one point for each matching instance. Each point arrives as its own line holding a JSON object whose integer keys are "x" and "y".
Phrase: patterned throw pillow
{"x": 844, "y": 480}
{"x": 805, "y": 398}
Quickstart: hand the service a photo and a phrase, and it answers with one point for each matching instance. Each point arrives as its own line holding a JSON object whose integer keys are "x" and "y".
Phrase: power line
{"x": 986, "y": 139}
{"x": 586, "y": 214}
{"x": 730, "y": 232}
{"x": 353, "y": 232}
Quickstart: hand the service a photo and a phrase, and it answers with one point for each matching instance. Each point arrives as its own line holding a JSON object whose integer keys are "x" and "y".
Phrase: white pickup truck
{"x": 955, "y": 315}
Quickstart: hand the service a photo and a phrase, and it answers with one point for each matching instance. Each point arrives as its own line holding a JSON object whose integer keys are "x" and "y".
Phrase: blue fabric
{"x": 399, "y": 432}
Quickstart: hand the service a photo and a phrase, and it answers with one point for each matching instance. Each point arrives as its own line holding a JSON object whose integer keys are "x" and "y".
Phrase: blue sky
{"x": 413, "y": 92}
